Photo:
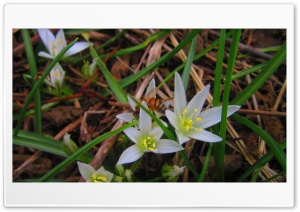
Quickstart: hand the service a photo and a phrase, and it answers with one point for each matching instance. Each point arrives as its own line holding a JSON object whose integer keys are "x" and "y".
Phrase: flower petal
{"x": 128, "y": 117}
{"x": 105, "y": 173}
{"x": 45, "y": 54}
{"x": 179, "y": 96}
{"x": 173, "y": 119}
{"x": 157, "y": 132}
{"x": 212, "y": 116}
{"x": 204, "y": 135}
{"x": 132, "y": 103}
{"x": 60, "y": 41}
{"x": 86, "y": 170}
{"x": 46, "y": 36}
{"x": 133, "y": 134}
{"x": 151, "y": 86}
{"x": 197, "y": 102}
{"x": 182, "y": 138}
{"x": 77, "y": 47}
{"x": 130, "y": 154}
{"x": 145, "y": 120}
{"x": 168, "y": 146}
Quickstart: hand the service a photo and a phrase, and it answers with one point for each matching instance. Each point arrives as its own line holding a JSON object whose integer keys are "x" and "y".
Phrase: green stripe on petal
{"x": 182, "y": 138}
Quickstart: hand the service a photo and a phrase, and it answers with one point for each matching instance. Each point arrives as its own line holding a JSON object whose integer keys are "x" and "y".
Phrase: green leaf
{"x": 112, "y": 83}
{"x": 262, "y": 77}
{"x": 271, "y": 143}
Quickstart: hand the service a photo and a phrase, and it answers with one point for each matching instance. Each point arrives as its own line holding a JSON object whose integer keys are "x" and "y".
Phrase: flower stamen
{"x": 149, "y": 143}
{"x": 99, "y": 178}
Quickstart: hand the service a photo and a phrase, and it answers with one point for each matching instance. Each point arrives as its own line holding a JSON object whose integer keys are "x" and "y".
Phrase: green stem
{"x": 33, "y": 73}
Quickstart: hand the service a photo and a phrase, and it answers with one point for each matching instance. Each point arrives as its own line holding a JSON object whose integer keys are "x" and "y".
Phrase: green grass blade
{"x": 248, "y": 71}
{"x": 129, "y": 80}
{"x": 82, "y": 150}
{"x": 188, "y": 64}
{"x": 45, "y": 144}
{"x": 33, "y": 73}
{"x": 271, "y": 143}
{"x": 231, "y": 62}
{"x": 261, "y": 162}
{"x": 262, "y": 77}
{"x": 216, "y": 92}
{"x": 206, "y": 163}
{"x": 112, "y": 83}
{"x": 38, "y": 84}
{"x": 168, "y": 134}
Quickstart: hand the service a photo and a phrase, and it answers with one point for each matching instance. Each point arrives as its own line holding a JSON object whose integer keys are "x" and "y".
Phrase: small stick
{"x": 261, "y": 112}
{"x": 279, "y": 96}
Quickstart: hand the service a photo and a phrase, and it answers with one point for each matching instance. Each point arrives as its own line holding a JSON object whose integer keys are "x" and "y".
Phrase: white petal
{"x": 46, "y": 36}
{"x": 197, "y": 102}
{"x": 133, "y": 134}
{"x": 151, "y": 86}
{"x": 77, "y": 47}
{"x": 157, "y": 132}
{"x": 105, "y": 173}
{"x": 45, "y": 54}
{"x": 182, "y": 138}
{"x": 212, "y": 116}
{"x": 60, "y": 41}
{"x": 130, "y": 154}
{"x": 85, "y": 170}
{"x": 145, "y": 120}
{"x": 172, "y": 119}
{"x": 179, "y": 96}
{"x": 128, "y": 117}
{"x": 132, "y": 103}
{"x": 168, "y": 146}
{"x": 204, "y": 135}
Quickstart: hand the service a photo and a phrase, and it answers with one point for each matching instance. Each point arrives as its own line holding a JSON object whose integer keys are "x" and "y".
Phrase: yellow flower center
{"x": 148, "y": 143}
{"x": 55, "y": 74}
{"x": 99, "y": 178}
{"x": 187, "y": 123}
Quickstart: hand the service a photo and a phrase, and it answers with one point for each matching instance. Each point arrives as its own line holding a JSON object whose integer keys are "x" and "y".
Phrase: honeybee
{"x": 155, "y": 105}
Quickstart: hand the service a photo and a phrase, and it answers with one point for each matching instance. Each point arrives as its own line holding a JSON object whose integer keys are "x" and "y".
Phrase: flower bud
{"x": 68, "y": 145}
{"x": 171, "y": 173}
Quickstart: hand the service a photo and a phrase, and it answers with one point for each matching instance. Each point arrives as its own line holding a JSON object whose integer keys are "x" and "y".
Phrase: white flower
{"x": 146, "y": 139}
{"x": 88, "y": 69}
{"x": 171, "y": 173}
{"x": 57, "y": 75}
{"x": 91, "y": 175}
{"x": 129, "y": 117}
{"x": 56, "y": 44}
{"x": 189, "y": 121}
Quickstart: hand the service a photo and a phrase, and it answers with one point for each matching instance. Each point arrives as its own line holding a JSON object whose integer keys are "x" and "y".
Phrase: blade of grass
{"x": 33, "y": 73}
{"x": 248, "y": 71}
{"x": 188, "y": 64}
{"x": 82, "y": 150}
{"x": 112, "y": 83}
{"x": 261, "y": 162}
{"x": 262, "y": 77}
{"x": 168, "y": 134}
{"x": 129, "y": 80}
{"x": 38, "y": 84}
{"x": 256, "y": 173}
{"x": 46, "y": 144}
{"x": 271, "y": 143}
{"x": 231, "y": 61}
{"x": 197, "y": 57}
{"x": 216, "y": 92}
{"x": 206, "y": 163}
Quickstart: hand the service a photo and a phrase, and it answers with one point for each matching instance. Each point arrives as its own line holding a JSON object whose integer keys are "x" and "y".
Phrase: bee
{"x": 155, "y": 105}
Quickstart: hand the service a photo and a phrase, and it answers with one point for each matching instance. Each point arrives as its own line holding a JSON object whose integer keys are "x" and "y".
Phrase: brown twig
{"x": 261, "y": 112}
